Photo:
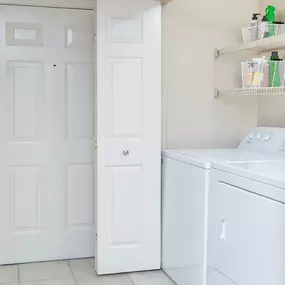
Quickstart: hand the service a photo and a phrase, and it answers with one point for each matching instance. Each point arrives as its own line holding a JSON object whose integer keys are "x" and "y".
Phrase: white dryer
{"x": 185, "y": 186}
{"x": 247, "y": 224}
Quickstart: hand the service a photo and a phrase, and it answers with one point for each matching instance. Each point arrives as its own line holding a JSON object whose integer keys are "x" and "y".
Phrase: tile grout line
{"x": 131, "y": 279}
{"x": 18, "y": 275}
{"x": 72, "y": 273}
{"x": 40, "y": 280}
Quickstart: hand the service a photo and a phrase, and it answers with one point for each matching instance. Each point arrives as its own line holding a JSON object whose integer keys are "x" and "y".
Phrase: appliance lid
{"x": 204, "y": 158}
{"x": 271, "y": 173}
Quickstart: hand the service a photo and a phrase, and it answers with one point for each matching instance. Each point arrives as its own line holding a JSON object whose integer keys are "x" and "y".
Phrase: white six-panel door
{"x": 46, "y": 133}
{"x": 128, "y": 135}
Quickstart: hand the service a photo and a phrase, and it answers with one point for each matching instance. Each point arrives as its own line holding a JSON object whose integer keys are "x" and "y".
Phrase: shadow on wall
{"x": 271, "y": 110}
{"x": 191, "y": 32}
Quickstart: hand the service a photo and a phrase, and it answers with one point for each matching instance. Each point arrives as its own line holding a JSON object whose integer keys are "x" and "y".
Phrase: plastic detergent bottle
{"x": 270, "y": 13}
{"x": 271, "y": 17}
{"x": 274, "y": 74}
{"x": 264, "y": 28}
{"x": 265, "y": 72}
{"x": 254, "y": 27}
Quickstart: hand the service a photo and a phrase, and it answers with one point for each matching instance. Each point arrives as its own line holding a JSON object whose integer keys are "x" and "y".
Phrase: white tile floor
{"x": 74, "y": 272}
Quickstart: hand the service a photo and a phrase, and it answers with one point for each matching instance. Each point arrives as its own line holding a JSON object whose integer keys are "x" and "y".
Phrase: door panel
{"x": 27, "y": 184}
{"x": 24, "y": 80}
{"x": 46, "y": 127}
{"x": 79, "y": 101}
{"x": 24, "y": 34}
{"x": 80, "y": 203}
{"x": 128, "y": 134}
{"x": 125, "y": 216}
{"x": 126, "y": 90}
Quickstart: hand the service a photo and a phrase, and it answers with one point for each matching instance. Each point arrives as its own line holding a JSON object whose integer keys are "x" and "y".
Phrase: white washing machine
{"x": 247, "y": 224}
{"x": 185, "y": 186}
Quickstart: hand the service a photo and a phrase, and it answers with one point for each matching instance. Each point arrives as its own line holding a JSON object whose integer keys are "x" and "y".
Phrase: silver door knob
{"x": 126, "y": 152}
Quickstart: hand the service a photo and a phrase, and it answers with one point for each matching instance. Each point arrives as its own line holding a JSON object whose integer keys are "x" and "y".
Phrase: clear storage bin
{"x": 262, "y": 31}
{"x": 250, "y": 34}
{"x": 262, "y": 73}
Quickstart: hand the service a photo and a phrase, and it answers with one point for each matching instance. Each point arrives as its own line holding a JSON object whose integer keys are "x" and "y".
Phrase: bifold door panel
{"x": 128, "y": 134}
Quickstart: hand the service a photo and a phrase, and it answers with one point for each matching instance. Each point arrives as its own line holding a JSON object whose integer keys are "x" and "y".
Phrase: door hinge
{"x": 96, "y": 236}
{"x": 95, "y": 144}
{"x": 161, "y": 160}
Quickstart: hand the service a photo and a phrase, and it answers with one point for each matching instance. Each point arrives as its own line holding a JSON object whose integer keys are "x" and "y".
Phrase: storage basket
{"x": 262, "y": 31}
{"x": 262, "y": 73}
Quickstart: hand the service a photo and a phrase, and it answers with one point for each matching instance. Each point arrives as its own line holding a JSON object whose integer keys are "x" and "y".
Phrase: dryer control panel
{"x": 265, "y": 139}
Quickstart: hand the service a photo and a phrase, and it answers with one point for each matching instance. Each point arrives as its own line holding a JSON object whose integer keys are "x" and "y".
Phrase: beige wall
{"x": 192, "y": 29}
{"x": 272, "y": 110}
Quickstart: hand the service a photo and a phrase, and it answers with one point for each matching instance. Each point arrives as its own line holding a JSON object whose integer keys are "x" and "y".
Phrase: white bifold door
{"x": 46, "y": 134}
{"x": 128, "y": 135}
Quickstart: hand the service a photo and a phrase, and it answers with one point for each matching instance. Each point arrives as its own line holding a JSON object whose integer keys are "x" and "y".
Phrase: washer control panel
{"x": 265, "y": 139}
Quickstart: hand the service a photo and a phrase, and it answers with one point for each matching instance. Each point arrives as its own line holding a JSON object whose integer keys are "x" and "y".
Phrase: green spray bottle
{"x": 270, "y": 13}
{"x": 271, "y": 17}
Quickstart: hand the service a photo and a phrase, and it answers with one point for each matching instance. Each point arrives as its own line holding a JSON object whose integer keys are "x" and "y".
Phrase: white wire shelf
{"x": 261, "y": 91}
{"x": 264, "y": 45}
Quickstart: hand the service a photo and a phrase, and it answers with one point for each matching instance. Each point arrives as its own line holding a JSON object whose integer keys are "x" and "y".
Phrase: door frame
{"x": 67, "y": 4}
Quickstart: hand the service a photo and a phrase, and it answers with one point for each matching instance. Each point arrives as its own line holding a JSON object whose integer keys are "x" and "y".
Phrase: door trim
{"x": 67, "y": 4}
